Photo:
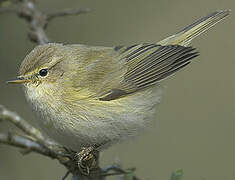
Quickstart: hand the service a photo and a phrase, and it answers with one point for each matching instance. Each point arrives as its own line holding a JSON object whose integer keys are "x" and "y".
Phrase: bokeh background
{"x": 195, "y": 124}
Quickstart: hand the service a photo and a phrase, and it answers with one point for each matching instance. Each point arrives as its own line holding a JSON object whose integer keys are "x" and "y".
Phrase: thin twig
{"x": 32, "y": 132}
{"x": 66, "y": 175}
{"x": 114, "y": 168}
{"x": 66, "y": 12}
{"x": 117, "y": 171}
{"x": 22, "y": 142}
{"x": 19, "y": 122}
{"x": 38, "y": 20}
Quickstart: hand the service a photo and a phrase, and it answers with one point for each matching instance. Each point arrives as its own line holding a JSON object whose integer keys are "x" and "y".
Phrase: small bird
{"x": 86, "y": 96}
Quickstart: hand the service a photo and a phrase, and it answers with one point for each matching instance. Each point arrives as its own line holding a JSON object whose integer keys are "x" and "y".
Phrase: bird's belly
{"x": 98, "y": 123}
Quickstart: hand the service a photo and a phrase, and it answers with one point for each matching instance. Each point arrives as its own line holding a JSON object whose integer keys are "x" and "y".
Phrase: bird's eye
{"x": 43, "y": 72}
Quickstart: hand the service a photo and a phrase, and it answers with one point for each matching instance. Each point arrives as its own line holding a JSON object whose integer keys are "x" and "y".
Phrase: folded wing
{"x": 147, "y": 65}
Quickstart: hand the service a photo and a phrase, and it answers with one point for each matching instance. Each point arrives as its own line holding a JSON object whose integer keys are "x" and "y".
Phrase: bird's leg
{"x": 87, "y": 160}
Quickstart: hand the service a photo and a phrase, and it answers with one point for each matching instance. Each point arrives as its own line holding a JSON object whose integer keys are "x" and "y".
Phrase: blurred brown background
{"x": 194, "y": 127}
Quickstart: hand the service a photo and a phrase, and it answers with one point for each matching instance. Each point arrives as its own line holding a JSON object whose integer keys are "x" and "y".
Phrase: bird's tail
{"x": 185, "y": 36}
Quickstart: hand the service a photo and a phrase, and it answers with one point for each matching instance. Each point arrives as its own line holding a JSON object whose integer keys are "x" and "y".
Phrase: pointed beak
{"x": 18, "y": 80}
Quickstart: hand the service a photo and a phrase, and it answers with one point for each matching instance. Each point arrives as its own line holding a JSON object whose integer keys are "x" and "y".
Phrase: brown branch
{"x": 37, "y": 20}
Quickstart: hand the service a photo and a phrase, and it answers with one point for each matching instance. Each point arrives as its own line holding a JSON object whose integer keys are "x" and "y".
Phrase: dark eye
{"x": 43, "y": 72}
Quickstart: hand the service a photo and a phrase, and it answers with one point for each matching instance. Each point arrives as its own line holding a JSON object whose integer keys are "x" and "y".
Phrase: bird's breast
{"x": 89, "y": 122}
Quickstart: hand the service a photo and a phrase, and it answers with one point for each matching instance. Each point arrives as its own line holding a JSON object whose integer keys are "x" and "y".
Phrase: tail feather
{"x": 186, "y": 35}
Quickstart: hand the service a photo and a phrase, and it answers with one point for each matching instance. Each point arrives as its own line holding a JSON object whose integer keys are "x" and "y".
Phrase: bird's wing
{"x": 146, "y": 65}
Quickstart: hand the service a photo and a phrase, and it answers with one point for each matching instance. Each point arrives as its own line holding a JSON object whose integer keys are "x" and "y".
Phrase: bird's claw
{"x": 87, "y": 160}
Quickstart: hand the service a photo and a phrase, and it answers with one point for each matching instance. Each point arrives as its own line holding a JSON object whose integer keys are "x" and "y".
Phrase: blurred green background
{"x": 194, "y": 127}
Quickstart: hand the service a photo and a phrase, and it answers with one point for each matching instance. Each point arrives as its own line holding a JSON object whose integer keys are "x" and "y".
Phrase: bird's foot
{"x": 87, "y": 160}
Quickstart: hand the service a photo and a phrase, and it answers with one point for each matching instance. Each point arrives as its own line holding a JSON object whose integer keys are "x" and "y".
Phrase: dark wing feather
{"x": 147, "y": 65}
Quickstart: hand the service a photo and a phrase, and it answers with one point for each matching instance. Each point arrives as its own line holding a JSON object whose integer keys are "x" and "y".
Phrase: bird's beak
{"x": 19, "y": 80}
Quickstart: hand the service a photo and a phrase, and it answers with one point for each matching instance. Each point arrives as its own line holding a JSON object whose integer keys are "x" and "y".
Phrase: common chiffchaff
{"x": 85, "y": 95}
